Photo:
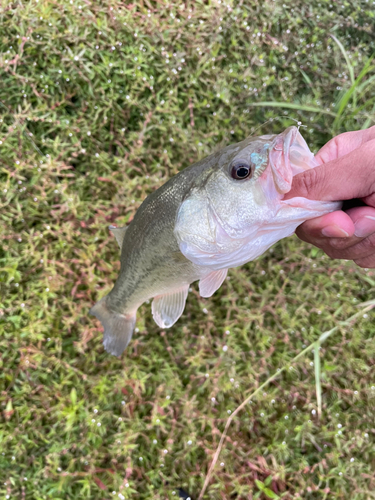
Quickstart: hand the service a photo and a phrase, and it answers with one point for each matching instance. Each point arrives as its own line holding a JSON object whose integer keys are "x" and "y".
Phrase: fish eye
{"x": 241, "y": 171}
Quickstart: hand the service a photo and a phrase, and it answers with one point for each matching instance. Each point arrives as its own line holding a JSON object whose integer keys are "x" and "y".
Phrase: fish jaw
{"x": 289, "y": 155}
{"x": 237, "y": 252}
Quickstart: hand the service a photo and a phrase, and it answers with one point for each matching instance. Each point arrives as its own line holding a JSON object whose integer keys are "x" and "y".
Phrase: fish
{"x": 221, "y": 212}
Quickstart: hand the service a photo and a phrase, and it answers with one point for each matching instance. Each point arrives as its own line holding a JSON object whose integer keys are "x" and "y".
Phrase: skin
{"x": 347, "y": 172}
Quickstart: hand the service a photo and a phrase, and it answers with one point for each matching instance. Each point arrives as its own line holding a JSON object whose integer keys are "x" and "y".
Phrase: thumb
{"x": 348, "y": 177}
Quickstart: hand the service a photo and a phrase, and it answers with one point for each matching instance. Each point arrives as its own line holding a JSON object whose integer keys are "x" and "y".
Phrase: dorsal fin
{"x": 118, "y": 233}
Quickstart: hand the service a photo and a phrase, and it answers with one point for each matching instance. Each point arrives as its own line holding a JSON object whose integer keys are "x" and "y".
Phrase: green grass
{"x": 88, "y": 129}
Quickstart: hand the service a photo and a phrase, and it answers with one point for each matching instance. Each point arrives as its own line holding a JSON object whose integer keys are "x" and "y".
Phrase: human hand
{"x": 347, "y": 171}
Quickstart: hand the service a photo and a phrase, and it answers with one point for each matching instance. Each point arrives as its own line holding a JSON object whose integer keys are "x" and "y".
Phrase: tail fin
{"x": 118, "y": 328}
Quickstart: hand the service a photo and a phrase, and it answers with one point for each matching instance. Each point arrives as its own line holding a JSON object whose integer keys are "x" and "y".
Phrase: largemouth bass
{"x": 221, "y": 212}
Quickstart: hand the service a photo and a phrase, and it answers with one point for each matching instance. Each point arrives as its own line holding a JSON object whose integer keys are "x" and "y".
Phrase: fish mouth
{"x": 289, "y": 155}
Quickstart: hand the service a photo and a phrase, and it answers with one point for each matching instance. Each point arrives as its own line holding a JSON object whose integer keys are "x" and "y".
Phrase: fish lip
{"x": 289, "y": 156}
{"x": 279, "y": 160}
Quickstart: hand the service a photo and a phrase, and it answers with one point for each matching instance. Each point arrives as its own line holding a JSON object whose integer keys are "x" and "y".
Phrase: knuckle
{"x": 302, "y": 235}
{"x": 371, "y": 241}
{"x": 332, "y": 252}
{"x": 307, "y": 181}
{"x": 368, "y": 150}
{"x": 340, "y": 243}
{"x": 307, "y": 237}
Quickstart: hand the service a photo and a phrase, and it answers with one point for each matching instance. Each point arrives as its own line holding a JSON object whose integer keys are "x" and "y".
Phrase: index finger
{"x": 343, "y": 144}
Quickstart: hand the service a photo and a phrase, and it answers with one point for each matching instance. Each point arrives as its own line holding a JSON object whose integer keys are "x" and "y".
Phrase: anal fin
{"x": 118, "y": 328}
{"x": 167, "y": 308}
{"x": 212, "y": 282}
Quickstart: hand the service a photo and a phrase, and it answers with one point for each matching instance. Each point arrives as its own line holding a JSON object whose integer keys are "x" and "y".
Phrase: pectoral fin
{"x": 212, "y": 282}
{"x": 167, "y": 308}
{"x": 118, "y": 233}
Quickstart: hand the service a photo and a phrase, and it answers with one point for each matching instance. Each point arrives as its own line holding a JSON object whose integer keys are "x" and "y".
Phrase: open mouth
{"x": 289, "y": 156}
{"x": 300, "y": 156}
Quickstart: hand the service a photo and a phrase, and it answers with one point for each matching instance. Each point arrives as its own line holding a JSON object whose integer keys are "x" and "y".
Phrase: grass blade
{"x": 292, "y": 105}
{"x": 348, "y": 63}
{"x": 318, "y": 385}
{"x": 343, "y": 102}
{"x": 346, "y": 97}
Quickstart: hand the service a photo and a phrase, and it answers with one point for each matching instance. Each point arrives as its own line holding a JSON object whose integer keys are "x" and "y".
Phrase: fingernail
{"x": 364, "y": 226}
{"x": 334, "y": 231}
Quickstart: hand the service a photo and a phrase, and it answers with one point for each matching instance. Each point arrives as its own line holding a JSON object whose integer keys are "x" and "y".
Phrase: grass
{"x": 101, "y": 103}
